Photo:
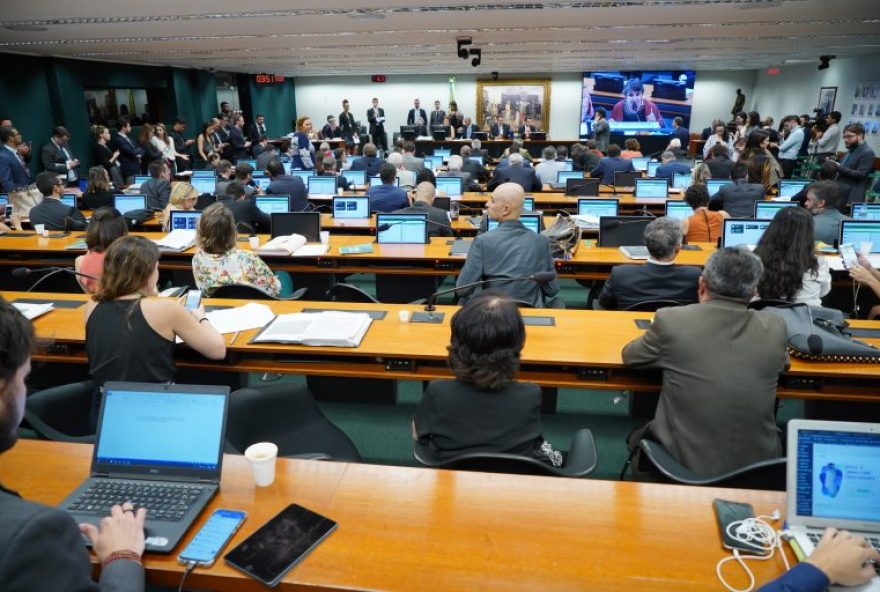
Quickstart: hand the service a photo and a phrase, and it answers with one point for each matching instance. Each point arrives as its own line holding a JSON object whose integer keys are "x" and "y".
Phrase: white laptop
{"x": 833, "y": 480}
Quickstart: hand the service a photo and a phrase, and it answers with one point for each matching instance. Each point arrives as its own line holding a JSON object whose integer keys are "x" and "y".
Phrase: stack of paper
{"x": 294, "y": 245}
{"x": 241, "y": 318}
{"x": 177, "y": 240}
{"x": 32, "y": 310}
{"x": 328, "y": 328}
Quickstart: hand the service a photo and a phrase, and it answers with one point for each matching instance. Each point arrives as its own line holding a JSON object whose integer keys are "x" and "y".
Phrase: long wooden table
{"x": 404, "y": 529}
{"x": 580, "y": 350}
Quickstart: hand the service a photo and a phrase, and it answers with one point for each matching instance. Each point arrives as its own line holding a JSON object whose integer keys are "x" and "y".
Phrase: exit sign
{"x": 379, "y": 78}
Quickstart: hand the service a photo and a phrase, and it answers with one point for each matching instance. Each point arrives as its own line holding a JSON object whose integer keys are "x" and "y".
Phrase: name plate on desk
{"x": 437, "y": 317}
{"x": 376, "y": 315}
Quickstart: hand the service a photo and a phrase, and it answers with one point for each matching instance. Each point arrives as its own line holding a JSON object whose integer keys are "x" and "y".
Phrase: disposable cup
{"x": 404, "y": 315}
{"x": 40, "y": 228}
{"x": 262, "y": 457}
{"x": 255, "y": 242}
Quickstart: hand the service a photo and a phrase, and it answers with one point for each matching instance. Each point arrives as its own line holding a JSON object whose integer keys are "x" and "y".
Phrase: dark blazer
{"x": 101, "y": 156}
{"x": 248, "y": 217}
{"x": 158, "y": 192}
{"x": 41, "y": 548}
{"x": 130, "y": 155}
{"x": 436, "y": 117}
{"x": 601, "y": 134}
{"x": 346, "y": 125}
{"x": 739, "y": 199}
{"x": 328, "y": 132}
{"x": 503, "y": 132}
{"x": 54, "y": 159}
{"x": 666, "y": 171}
{"x": 853, "y": 172}
{"x": 387, "y": 198}
{"x": 608, "y": 166}
{"x": 525, "y": 177}
{"x": 151, "y": 155}
{"x": 477, "y": 171}
{"x": 93, "y": 201}
{"x": 371, "y": 164}
{"x": 13, "y": 173}
{"x": 683, "y": 135}
{"x": 252, "y": 132}
{"x": 376, "y": 127}
{"x": 631, "y": 284}
{"x": 292, "y": 186}
{"x": 716, "y": 413}
{"x": 413, "y": 115}
{"x": 181, "y": 148}
{"x": 436, "y": 215}
{"x": 585, "y": 161}
{"x": 57, "y": 216}
{"x": 467, "y": 131}
{"x": 236, "y": 143}
{"x": 720, "y": 167}
{"x": 522, "y": 130}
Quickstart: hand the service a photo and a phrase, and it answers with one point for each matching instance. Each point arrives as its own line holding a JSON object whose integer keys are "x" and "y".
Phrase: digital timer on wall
{"x": 268, "y": 79}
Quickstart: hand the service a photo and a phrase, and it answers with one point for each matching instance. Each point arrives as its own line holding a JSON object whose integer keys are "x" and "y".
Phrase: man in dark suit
{"x": 157, "y": 188}
{"x": 500, "y": 130}
{"x": 387, "y": 197}
{"x": 716, "y": 413}
{"x": 181, "y": 144}
{"x": 680, "y": 132}
{"x": 417, "y": 116}
{"x": 57, "y": 157}
{"x": 248, "y": 217}
{"x": 258, "y": 128}
{"x": 719, "y": 163}
{"x": 670, "y": 167}
{"x": 659, "y": 278}
{"x": 223, "y": 136}
{"x": 41, "y": 547}
{"x": 368, "y": 162}
{"x": 238, "y": 146}
{"x": 738, "y": 199}
{"x": 331, "y": 128}
{"x": 477, "y": 171}
{"x": 611, "y": 164}
{"x": 347, "y": 125}
{"x": 376, "y": 117}
{"x": 130, "y": 152}
{"x": 422, "y": 200}
{"x": 467, "y": 130}
{"x": 14, "y": 173}
{"x": 525, "y": 130}
{"x": 510, "y": 251}
{"x": 856, "y": 166}
{"x": 437, "y": 115}
{"x": 515, "y": 172}
{"x": 286, "y": 185}
{"x": 601, "y": 130}
{"x": 50, "y": 212}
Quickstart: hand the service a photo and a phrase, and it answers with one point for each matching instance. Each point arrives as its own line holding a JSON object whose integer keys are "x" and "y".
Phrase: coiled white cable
{"x": 758, "y": 534}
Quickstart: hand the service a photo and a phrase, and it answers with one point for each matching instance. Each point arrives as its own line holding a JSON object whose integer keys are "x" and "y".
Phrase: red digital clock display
{"x": 268, "y": 78}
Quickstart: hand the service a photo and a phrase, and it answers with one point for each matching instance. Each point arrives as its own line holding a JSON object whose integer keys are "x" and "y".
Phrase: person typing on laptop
{"x": 41, "y": 547}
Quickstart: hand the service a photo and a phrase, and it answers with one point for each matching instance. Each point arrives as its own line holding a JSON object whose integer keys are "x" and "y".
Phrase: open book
{"x": 328, "y": 328}
{"x": 294, "y": 244}
{"x": 177, "y": 240}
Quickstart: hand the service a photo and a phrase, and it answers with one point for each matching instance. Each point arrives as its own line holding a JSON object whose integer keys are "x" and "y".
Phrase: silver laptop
{"x": 159, "y": 446}
{"x": 833, "y": 480}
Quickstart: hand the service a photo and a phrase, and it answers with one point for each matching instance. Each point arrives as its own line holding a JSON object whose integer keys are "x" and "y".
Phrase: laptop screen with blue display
{"x": 652, "y": 188}
{"x": 856, "y": 232}
{"x": 378, "y": 181}
{"x": 713, "y": 185}
{"x": 184, "y": 220}
{"x": 563, "y": 176}
{"x": 476, "y": 157}
{"x": 652, "y": 168}
{"x": 681, "y": 180}
{"x": 69, "y": 200}
{"x": 678, "y": 209}
{"x": 202, "y": 175}
{"x": 598, "y": 207}
{"x": 451, "y": 185}
{"x": 356, "y": 177}
{"x": 322, "y": 185}
{"x": 766, "y": 210}
{"x": 401, "y": 228}
{"x": 743, "y": 232}
{"x": 640, "y": 163}
{"x": 204, "y": 184}
{"x": 791, "y": 187}
{"x": 432, "y": 162}
{"x": 141, "y": 179}
{"x": 443, "y": 153}
{"x": 529, "y": 203}
{"x": 530, "y": 221}
{"x": 249, "y": 161}
{"x": 304, "y": 175}
{"x": 272, "y": 204}
{"x": 127, "y": 203}
{"x": 865, "y": 211}
{"x": 262, "y": 182}
{"x": 351, "y": 206}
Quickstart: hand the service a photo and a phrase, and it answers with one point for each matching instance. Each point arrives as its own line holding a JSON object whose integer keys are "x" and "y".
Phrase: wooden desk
{"x": 405, "y": 529}
{"x": 581, "y": 350}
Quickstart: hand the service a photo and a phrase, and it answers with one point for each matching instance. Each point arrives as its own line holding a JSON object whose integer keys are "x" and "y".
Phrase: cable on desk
{"x": 758, "y": 534}
{"x": 189, "y": 567}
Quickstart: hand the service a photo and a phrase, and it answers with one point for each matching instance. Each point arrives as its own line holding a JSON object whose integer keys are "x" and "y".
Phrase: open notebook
{"x": 328, "y": 328}
{"x": 294, "y": 244}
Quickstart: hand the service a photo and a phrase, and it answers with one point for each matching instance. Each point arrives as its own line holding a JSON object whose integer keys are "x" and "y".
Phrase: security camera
{"x": 478, "y": 56}
{"x": 462, "y": 51}
{"x": 495, "y": 76}
{"x": 823, "y": 61}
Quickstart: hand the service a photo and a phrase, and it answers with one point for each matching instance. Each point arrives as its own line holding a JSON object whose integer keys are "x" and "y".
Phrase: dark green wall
{"x": 277, "y": 102}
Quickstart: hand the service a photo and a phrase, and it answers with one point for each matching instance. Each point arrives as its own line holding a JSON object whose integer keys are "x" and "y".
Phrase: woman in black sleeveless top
{"x": 129, "y": 335}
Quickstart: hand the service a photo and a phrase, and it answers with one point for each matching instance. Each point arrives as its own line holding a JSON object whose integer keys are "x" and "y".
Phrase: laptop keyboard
{"x": 163, "y": 501}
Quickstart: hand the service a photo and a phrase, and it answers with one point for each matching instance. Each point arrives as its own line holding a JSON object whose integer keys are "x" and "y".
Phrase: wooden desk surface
{"x": 404, "y": 529}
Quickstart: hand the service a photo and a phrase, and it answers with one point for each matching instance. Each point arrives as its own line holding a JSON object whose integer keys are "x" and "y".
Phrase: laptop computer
{"x": 377, "y": 180}
{"x": 206, "y": 174}
{"x": 127, "y": 203}
{"x": 562, "y": 177}
{"x": 432, "y": 162}
{"x": 308, "y": 224}
{"x": 351, "y": 206}
{"x": 141, "y": 179}
{"x": 791, "y": 187}
{"x": 443, "y": 153}
{"x": 766, "y": 210}
{"x": 204, "y": 184}
{"x": 321, "y": 187}
{"x": 530, "y": 221}
{"x": 452, "y": 186}
{"x": 68, "y": 199}
{"x": 857, "y": 232}
{"x": 304, "y": 175}
{"x": 528, "y": 203}
{"x": 678, "y": 209}
{"x": 184, "y": 219}
{"x": 681, "y": 180}
{"x": 272, "y": 204}
{"x": 625, "y": 179}
{"x": 358, "y": 178}
{"x": 713, "y": 185}
{"x": 865, "y": 211}
{"x": 395, "y": 229}
{"x": 263, "y": 182}
{"x": 588, "y": 187}
{"x": 832, "y": 480}
{"x": 652, "y": 188}
{"x": 159, "y": 446}
{"x": 623, "y": 231}
{"x": 640, "y": 163}
{"x": 740, "y": 232}
{"x": 598, "y": 207}
{"x": 652, "y": 168}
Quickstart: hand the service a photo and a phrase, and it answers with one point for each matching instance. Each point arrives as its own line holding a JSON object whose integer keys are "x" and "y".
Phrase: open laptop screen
{"x": 865, "y": 211}
{"x": 377, "y": 180}
{"x": 141, "y": 179}
{"x": 652, "y": 168}
{"x": 401, "y": 228}
{"x": 451, "y": 185}
{"x": 68, "y": 199}
{"x": 530, "y": 221}
{"x": 322, "y": 185}
{"x": 562, "y": 176}
{"x": 432, "y": 162}
{"x": 443, "y": 153}
{"x": 640, "y": 163}
{"x": 356, "y": 177}
{"x": 127, "y": 203}
{"x": 207, "y": 174}
{"x": 713, "y": 185}
{"x": 858, "y": 232}
{"x": 204, "y": 184}
{"x": 658, "y": 188}
{"x": 678, "y": 209}
{"x": 791, "y": 187}
{"x": 304, "y": 175}
{"x": 351, "y": 207}
{"x": 740, "y": 232}
{"x": 598, "y": 207}
{"x": 681, "y": 180}
{"x": 528, "y": 203}
{"x": 270, "y": 204}
{"x": 184, "y": 219}
{"x": 766, "y": 210}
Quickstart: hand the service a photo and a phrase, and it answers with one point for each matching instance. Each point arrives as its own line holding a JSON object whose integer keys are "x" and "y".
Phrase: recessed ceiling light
{"x": 26, "y": 28}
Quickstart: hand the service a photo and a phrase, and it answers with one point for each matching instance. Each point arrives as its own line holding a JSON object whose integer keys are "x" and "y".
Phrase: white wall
{"x": 715, "y": 93}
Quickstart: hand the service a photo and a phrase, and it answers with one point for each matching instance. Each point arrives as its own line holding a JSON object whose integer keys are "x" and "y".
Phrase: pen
{"x": 234, "y": 337}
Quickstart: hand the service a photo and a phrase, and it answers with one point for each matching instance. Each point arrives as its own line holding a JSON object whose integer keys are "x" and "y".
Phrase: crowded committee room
{"x": 579, "y": 295}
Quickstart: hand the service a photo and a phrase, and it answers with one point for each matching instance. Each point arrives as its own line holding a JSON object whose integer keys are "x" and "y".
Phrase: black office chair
{"x": 768, "y": 474}
{"x": 653, "y": 305}
{"x": 204, "y": 200}
{"x": 246, "y": 292}
{"x": 288, "y": 416}
{"x": 761, "y": 304}
{"x": 349, "y": 293}
{"x": 62, "y": 413}
{"x": 580, "y": 461}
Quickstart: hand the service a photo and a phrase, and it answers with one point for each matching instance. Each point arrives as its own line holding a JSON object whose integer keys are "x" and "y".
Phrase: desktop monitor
{"x": 308, "y": 224}
{"x": 652, "y": 168}
{"x": 640, "y": 163}
{"x": 184, "y": 219}
{"x": 530, "y": 221}
{"x": 356, "y": 177}
{"x": 656, "y": 188}
{"x": 394, "y": 229}
{"x": 141, "y": 179}
{"x": 304, "y": 175}
{"x": 766, "y": 210}
{"x": 598, "y": 207}
{"x": 856, "y": 232}
{"x": 68, "y": 199}
{"x": 865, "y": 211}
{"x": 562, "y": 177}
{"x": 378, "y": 181}
{"x": 738, "y": 232}
{"x": 791, "y": 187}
{"x": 678, "y": 209}
{"x": 351, "y": 206}
{"x": 128, "y": 203}
{"x": 352, "y": 159}
{"x": 628, "y": 179}
{"x": 432, "y": 162}
{"x": 681, "y": 180}
{"x": 409, "y": 132}
{"x": 272, "y": 204}
{"x": 439, "y": 133}
{"x": 319, "y": 186}
{"x": 482, "y": 136}
{"x": 206, "y": 174}
{"x": 444, "y": 153}
{"x": 452, "y": 186}
{"x": 713, "y": 185}
{"x": 204, "y": 185}
{"x": 623, "y": 231}
{"x": 250, "y": 161}
{"x": 528, "y": 203}
{"x": 539, "y": 136}
{"x": 586, "y": 187}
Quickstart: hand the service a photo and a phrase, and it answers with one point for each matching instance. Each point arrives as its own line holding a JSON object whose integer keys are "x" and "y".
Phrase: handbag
{"x": 564, "y": 236}
{"x": 823, "y": 335}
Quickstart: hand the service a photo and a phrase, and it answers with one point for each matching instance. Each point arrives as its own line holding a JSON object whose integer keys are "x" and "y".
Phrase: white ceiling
{"x": 355, "y": 37}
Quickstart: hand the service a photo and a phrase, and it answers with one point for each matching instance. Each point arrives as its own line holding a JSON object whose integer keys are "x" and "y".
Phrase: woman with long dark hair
{"x": 792, "y": 271}
{"x": 756, "y": 157}
{"x": 720, "y": 137}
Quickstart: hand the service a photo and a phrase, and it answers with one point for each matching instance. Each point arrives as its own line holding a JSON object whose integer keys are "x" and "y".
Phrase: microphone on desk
{"x": 49, "y": 271}
{"x": 541, "y": 277}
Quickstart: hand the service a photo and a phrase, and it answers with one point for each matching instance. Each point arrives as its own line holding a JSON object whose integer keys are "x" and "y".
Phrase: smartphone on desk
{"x": 206, "y": 545}
{"x": 727, "y": 512}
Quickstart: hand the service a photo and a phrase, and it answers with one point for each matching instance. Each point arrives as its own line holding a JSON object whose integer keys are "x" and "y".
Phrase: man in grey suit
{"x": 738, "y": 199}
{"x": 410, "y": 161}
{"x": 157, "y": 188}
{"x": 510, "y": 251}
{"x": 515, "y": 172}
{"x": 855, "y": 167}
{"x": 721, "y": 362}
{"x": 423, "y": 198}
{"x": 601, "y": 130}
{"x": 57, "y": 157}
{"x": 41, "y": 547}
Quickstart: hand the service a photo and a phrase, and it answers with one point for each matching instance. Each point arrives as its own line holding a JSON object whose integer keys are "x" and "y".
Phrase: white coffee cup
{"x": 262, "y": 457}
{"x": 865, "y": 247}
{"x": 40, "y": 228}
{"x": 404, "y": 315}
{"x": 255, "y": 242}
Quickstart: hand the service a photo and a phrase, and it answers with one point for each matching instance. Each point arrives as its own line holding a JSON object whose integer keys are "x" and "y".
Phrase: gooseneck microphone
{"x": 49, "y": 271}
{"x": 541, "y": 277}
{"x": 386, "y": 226}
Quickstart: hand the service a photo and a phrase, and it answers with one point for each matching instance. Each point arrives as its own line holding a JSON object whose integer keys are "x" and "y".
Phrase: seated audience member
{"x": 219, "y": 261}
{"x": 856, "y": 166}
{"x": 792, "y": 272}
{"x": 183, "y": 197}
{"x": 827, "y": 172}
{"x": 283, "y": 184}
{"x": 268, "y": 152}
{"x": 422, "y": 200}
{"x": 669, "y": 167}
{"x": 157, "y": 188}
{"x": 477, "y": 171}
{"x": 822, "y": 201}
{"x": 368, "y": 162}
{"x": 248, "y": 217}
{"x": 715, "y": 416}
{"x": 631, "y": 149}
{"x": 42, "y": 547}
{"x": 562, "y": 153}
{"x": 129, "y": 332}
{"x": 510, "y": 251}
{"x": 547, "y": 169}
{"x": 484, "y": 409}
{"x": 659, "y": 278}
{"x": 516, "y": 147}
{"x": 243, "y": 173}
{"x": 387, "y": 197}
{"x": 407, "y": 179}
{"x": 515, "y": 172}
{"x": 584, "y": 157}
{"x": 500, "y": 130}
{"x": 525, "y": 131}
{"x": 98, "y": 193}
{"x": 700, "y": 174}
{"x": 425, "y": 175}
{"x": 738, "y": 199}
{"x": 839, "y": 558}
{"x": 680, "y": 132}
{"x": 704, "y": 225}
{"x": 106, "y": 225}
{"x": 454, "y": 168}
{"x": 674, "y": 146}
{"x": 326, "y": 167}
{"x": 224, "y": 177}
{"x": 718, "y": 162}
{"x": 50, "y": 212}
{"x": 611, "y": 164}
{"x": 410, "y": 161}
{"x": 476, "y": 146}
